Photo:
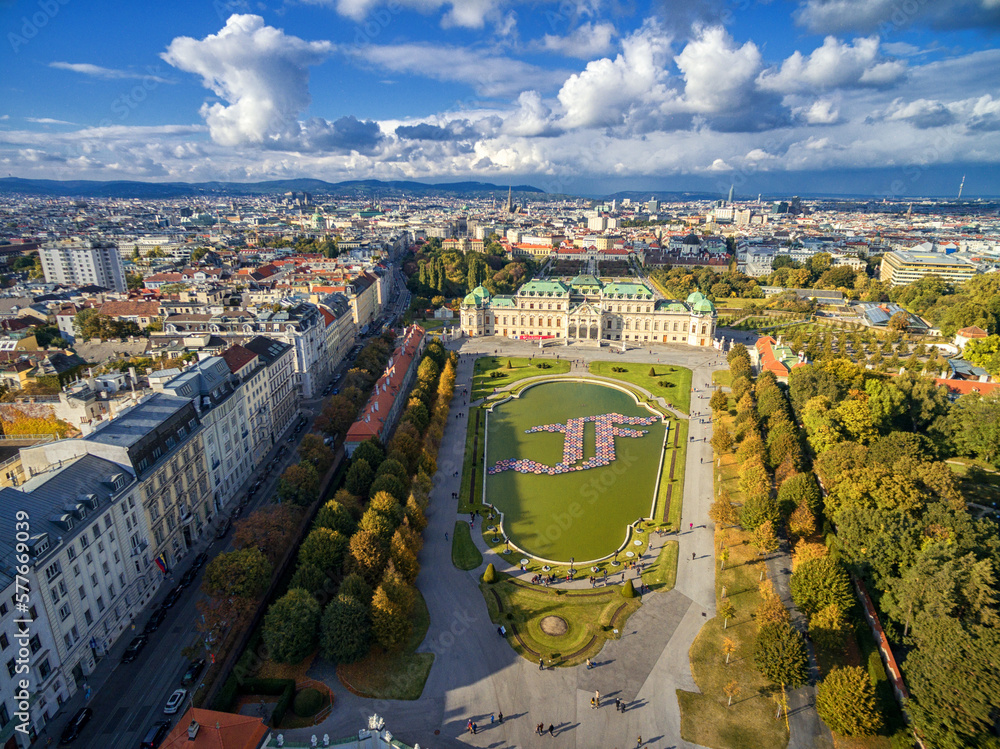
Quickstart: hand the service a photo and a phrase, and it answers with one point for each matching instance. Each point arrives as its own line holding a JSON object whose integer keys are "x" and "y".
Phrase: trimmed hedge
{"x": 307, "y": 702}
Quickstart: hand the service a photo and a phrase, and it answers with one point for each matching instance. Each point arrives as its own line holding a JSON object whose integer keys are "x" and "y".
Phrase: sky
{"x": 889, "y": 98}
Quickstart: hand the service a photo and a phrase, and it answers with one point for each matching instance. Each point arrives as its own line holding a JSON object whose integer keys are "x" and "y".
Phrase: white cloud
{"x": 263, "y": 75}
{"x": 718, "y": 75}
{"x": 471, "y": 14}
{"x": 820, "y": 112}
{"x": 607, "y": 91}
{"x": 48, "y": 121}
{"x": 533, "y": 117}
{"x": 921, "y": 113}
{"x": 96, "y": 71}
{"x": 839, "y": 16}
{"x": 585, "y": 41}
{"x": 488, "y": 75}
{"x": 834, "y": 65}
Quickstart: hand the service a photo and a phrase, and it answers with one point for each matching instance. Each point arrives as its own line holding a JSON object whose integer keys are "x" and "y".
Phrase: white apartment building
{"x": 282, "y": 401}
{"x": 83, "y": 263}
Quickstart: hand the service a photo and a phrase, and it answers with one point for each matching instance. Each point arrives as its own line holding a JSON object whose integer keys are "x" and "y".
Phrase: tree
{"x": 737, "y": 351}
{"x": 311, "y": 578}
{"x": 403, "y": 558}
{"x": 337, "y": 416}
{"x": 732, "y": 688}
{"x": 325, "y": 549}
{"x": 728, "y": 648}
{"x": 369, "y": 555}
{"x": 985, "y": 353}
{"x": 827, "y": 628}
{"x": 371, "y": 452}
{"x": 757, "y": 510}
{"x": 391, "y": 624}
{"x": 336, "y": 517}
{"x": 722, "y": 440}
{"x": 975, "y": 424}
{"x": 764, "y": 539}
{"x": 355, "y": 586}
{"x": 780, "y": 654}
{"x": 389, "y": 485}
{"x": 377, "y": 524}
{"x": 359, "y": 477}
{"x": 719, "y": 401}
{"x": 819, "y": 583}
{"x": 270, "y": 530}
{"x": 770, "y": 610}
{"x": 490, "y": 574}
{"x": 290, "y": 626}
{"x": 845, "y": 700}
{"x": 899, "y": 322}
{"x": 740, "y": 387}
{"x": 723, "y": 512}
{"x": 727, "y": 611}
{"x": 799, "y": 489}
{"x": 627, "y": 589}
{"x": 802, "y": 522}
{"x": 740, "y": 367}
{"x": 244, "y": 573}
{"x": 313, "y": 450}
{"x": 299, "y": 484}
{"x": 345, "y": 635}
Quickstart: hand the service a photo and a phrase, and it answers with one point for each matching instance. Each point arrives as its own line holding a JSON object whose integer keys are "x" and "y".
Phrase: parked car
{"x": 134, "y": 648}
{"x": 188, "y": 577}
{"x": 76, "y": 724}
{"x": 155, "y": 735}
{"x": 175, "y": 701}
{"x": 199, "y": 561}
{"x": 224, "y": 528}
{"x": 155, "y": 620}
{"x": 172, "y": 597}
{"x": 193, "y": 670}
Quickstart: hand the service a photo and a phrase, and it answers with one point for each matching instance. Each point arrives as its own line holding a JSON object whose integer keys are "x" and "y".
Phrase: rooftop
{"x": 134, "y": 423}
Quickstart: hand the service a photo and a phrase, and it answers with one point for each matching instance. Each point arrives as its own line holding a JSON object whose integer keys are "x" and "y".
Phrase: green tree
{"x": 359, "y": 477}
{"x": 819, "y": 583}
{"x": 719, "y": 401}
{"x": 371, "y": 452}
{"x": 722, "y": 440}
{"x": 985, "y": 353}
{"x": 291, "y": 625}
{"x": 354, "y": 585}
{"x": 828, "y": 628}
{"x": 975, "y": 424}
{"x": 336, "y": 517}
{"x": 313, "y": 450}
{"x": 780, "y": 654}
{"x": 390, "y": 485}
{"x": 490, "y": 574}
{"x": 369, "y": 555}
{"x": 845, "y": 700}
{"x": 325, "y": 549}
{"x": 798, "y": 489}
{"x": 299, "y": 484}
{"x": 758, "y": 510}
{"x": 312, "y": 578}
{"x": 345, "y": 635}
{"x": 244, "y": 573}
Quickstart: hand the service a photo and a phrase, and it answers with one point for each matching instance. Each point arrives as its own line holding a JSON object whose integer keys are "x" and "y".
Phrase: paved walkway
{"x": 475, "y": 672}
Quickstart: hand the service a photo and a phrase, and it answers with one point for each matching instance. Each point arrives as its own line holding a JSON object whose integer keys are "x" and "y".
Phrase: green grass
{"x": 588, "y": 619}
{"x": 678, "y": 380}
{"x": 483, "y": 384}
{"x": 662, "y": 574}
{"x": 580, "y": 513}
{"x": 393, "y": 676}
{"x": 464, "y": 553}
{"x": 722, "y": 377}
{"x": 472, "y": 462}
{"x": 677, "y": 495}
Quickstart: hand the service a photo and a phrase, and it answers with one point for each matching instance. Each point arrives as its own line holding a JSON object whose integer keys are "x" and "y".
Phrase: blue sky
{"x": 884, "y": 97}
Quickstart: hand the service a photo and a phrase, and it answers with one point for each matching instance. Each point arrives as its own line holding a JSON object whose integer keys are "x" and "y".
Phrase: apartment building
{"x": 83, "y": 263}
{"x": 340, "y": 328}
{"x": 275, "y": 414}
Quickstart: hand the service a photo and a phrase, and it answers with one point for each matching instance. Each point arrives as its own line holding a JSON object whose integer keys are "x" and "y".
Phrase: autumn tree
{"x": 369, "y": 555}
{"x": 728, "y": 648}
{"x": 828, "y": 627}
{"x": 732, "y": 689}
{"x": 819, "y": 583}
{"x": 336, "y": 517}
{"x": 270, "y": 529}
{"x": 727, "y": 611}
{"x": 324, "y": 549}
{"x": 244, "y": 573}
{"x": 359, "y": 477}
{"x": 299, "y": 484}
{"x": 764, "y": 539}
{"x": 719, "y": 401}
{"x": 345, "y": 633}
{"x": 291, "y": 625}
{"x": 780, "y": 654}
{"x": 723, "y": 512}
{"x": 722, "y": 440}
{"x": 313, "y": 450}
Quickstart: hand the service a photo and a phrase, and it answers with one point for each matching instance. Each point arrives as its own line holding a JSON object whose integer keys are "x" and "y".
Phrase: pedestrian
{"x": 618, "y": 704}
{"x": 491, "y": 718}
{"x": 597, "y": 696}
{"x": 541, "y": 666}
{"x": 468, "y": 726}
{"x": 693, "y": 554}
{"x": 500, "y": 717}
{"x": 638, "y": 742}
{"x": 474, "y": 729}
{"x": 690, "y": 526}
{"x": 446, "y": 535}
{"x": 552, "y": 730}
{"x": 592, "y": 704}
{"x": 539, "y": 728}
{"x": 590, "y": 664}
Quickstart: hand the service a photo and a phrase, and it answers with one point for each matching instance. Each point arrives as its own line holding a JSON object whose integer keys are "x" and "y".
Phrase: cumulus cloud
{"x": 921, "y": 113}
{"x": 834, "y": 65}
{"x": 839, "y": 16}
{"x": 820, "y": 112}
{"x": 532, "y": 118}
{"x": 263, "y": 75}
{"x": 585, "y": 42}
{"x": 450, "y": 131}
{"x": 96, "y": 71}
{"x": 487, "y": 74}
{"x": 985, "y": 115}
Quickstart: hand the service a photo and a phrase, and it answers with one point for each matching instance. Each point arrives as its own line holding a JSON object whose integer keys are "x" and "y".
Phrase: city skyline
{"x": 812, "y": 96}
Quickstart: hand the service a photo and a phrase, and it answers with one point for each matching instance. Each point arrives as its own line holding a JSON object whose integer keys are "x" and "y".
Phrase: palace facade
{"x": 588, "y": 309}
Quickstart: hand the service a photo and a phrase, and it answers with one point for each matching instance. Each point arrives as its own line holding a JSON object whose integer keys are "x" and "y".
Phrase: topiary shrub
{"x": 307, "y": 702}
{"x": 490, "y": 575}
{"x": 628, "y": 591}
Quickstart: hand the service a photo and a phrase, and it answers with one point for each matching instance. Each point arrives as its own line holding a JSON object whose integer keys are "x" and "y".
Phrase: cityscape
{"x": 484, "y": 374}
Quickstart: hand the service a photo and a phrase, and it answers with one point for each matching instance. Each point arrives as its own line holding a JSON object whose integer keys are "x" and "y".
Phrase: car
{"x": 155, "y": 735}
{"x": 194, "y": 668}
{"x": 155, "y": 620}
{"x": 172, "y": 596}
{"x": 134, "y": 648}
{"x": 175, "y": 701}
{"x": 199, "y": 561}
{"x": 188, "y": 577}
{"x": 291, "y": 438}
{"x": 75, "y": 725}
{"x": 237, "y": 511}
{"x": 336, "y": 391}
{"x": 224, "y": 528}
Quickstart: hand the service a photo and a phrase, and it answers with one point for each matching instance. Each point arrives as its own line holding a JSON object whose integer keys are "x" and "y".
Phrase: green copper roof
{"x": 704, "y": 306}
{"x": 625, "y": 289}
{"x": 544, "y": 288}
{"x": 694, "y": 297}
{"x": 585, "y": 280}
{"x": 675, "y": 307}
{"x": 477, "y": 296}
{"x": 502, "y": 301}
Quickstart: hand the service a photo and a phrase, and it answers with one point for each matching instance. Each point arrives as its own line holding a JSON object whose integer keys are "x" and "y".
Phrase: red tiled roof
{"x": 372, "y": 419}
{"x": 130, "y": 309}
{"x": 964, "y": 387}
{"x": 237, "y": 357}
{"x": 973, "y": 332}
{"x": 216, "y": 731}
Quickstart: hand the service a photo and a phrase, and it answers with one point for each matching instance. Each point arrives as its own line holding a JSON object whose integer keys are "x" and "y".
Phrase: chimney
{"x": 193, "y": 730}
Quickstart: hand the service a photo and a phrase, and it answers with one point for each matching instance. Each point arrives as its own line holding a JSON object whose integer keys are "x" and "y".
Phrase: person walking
{"x": 592, "y": 703}
{"x": 500, "y": 717}
{"x": 638, "y": 742}
{"x": 552, "y": 730}
{"x": 541, "y": 666}
{"x": 618, "y": 704}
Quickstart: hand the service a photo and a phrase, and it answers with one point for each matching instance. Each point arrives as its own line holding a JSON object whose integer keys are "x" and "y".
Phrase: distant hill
{"x": 135, "y": 189}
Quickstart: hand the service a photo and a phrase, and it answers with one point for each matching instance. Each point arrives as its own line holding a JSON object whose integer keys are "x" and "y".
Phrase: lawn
{"x": 722, "y": 377}
{"x": 472, "y": 463}
{"x": 591, "y": 619}
{"x": 561, "y": 507}
{"x": 464, "y": 553}
{"x": 662, "y": 574}
{"x": 676, "y": 486}
{"x": 520, "y": 367}
{"x": 705, "y": 718}
{"x": 393, "y": 676}
{"x": 676, "y": 381}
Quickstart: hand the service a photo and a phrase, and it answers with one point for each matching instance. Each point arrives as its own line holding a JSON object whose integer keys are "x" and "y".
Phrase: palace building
{"x": 588, "y": 309}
